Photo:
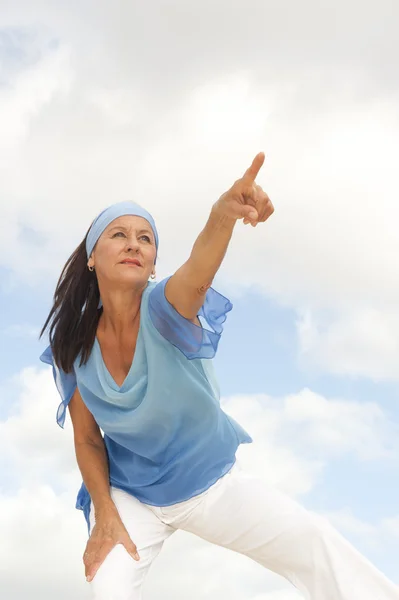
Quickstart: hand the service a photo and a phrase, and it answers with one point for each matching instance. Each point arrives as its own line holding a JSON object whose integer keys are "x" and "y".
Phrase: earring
{"x": 153, "y": 275}
{"x": 90, "y": 268}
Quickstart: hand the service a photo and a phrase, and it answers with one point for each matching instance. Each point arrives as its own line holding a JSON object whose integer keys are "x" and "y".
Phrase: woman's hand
{"x": 245, "y": 199}
{"x": 107, "y": 533}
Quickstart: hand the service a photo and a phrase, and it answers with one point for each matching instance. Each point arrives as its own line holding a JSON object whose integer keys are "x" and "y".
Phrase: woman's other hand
{"x": 107, "y": 533}
{"x": 245, "y": 199}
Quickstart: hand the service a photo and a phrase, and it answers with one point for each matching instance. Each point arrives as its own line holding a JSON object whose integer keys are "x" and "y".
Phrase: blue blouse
{"x": 165, "y": 433}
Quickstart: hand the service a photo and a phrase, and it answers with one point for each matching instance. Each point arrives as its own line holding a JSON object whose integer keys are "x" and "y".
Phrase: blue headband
{"x": 110, "y": 214}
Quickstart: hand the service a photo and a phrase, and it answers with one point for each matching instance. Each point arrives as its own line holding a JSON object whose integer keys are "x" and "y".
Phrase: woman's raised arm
{"x": 186, "y": 289}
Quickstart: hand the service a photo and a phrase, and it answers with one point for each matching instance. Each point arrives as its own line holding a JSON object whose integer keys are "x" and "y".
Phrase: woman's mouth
{"x": 131, "y": 263}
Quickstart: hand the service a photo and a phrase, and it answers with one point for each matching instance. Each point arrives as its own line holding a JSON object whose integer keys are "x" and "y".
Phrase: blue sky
{"x": 103, "y": 105}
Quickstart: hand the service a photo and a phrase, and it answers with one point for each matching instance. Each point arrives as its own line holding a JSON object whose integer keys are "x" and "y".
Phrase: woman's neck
{"x": 121, "y": 312}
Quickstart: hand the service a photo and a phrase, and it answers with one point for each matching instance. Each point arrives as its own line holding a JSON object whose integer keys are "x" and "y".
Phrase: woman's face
{"x": 126, "y": 238}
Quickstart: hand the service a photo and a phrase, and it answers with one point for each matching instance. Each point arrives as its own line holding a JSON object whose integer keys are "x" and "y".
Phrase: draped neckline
{"x": 119, "y": 388}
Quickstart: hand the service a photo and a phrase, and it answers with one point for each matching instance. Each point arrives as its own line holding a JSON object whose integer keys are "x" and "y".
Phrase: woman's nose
{"x": 132, "y": 245}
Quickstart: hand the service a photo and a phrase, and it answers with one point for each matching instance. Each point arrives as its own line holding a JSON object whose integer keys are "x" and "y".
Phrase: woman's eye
{"x": 142, "y": 237}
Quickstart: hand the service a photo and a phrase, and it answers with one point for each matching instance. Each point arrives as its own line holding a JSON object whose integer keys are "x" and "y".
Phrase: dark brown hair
{"x": 75, "y": 314}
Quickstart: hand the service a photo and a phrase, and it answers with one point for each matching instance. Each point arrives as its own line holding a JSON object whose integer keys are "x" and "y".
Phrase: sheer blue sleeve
{"x": 193, "y": 340}
{"x": 65, "y": 383}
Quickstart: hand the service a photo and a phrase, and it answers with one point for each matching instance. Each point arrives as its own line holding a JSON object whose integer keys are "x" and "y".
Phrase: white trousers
{"x": 242, "y": 513}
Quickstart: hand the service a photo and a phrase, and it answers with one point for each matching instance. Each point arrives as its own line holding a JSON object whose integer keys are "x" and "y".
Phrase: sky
{"x": 166, "y": 103}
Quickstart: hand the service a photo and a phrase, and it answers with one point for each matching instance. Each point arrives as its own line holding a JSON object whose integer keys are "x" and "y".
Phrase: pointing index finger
{"x": 254, "y": 169}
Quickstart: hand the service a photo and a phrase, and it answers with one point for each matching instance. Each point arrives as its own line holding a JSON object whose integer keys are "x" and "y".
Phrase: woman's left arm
{"x": 186, "y": 289}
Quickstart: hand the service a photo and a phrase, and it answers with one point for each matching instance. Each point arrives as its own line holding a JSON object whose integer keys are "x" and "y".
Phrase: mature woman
{"x": 132, "y": 361}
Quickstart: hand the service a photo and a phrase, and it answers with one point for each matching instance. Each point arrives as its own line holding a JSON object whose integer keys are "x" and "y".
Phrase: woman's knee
{"x": 119, "y": 577}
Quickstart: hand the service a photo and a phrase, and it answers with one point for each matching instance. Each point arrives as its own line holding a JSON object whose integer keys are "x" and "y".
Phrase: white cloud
{"x": 28, "y": 93}
{"x": 271, "y": 454}
{"x": 308, "y": 424}
{"x": 362, "y": 343}
{"x": 37, "y": 447}
{"x": 43, "y": 540}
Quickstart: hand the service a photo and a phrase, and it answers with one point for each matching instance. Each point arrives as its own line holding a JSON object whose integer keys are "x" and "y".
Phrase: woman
{"x": 131, "y": 360}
